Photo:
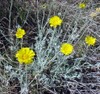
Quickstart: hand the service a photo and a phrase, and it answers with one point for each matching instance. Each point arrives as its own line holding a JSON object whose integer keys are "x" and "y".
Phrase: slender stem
{"x": 26, "y": 80}
{"x": 26, "y": 74}
{"x": 10, "y": 15}
{"x": 9, "y": 27}
{"x": 21, "y": 43}
{"x": 21, "y": 76}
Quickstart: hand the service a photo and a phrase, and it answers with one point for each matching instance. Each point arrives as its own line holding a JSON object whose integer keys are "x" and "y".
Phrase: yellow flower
{"x": 82, "y": 5}
{"x": 66, "y": 48}
{"x": 20, "y": 33}
{"x": 90, "y": 40}
{"x": 25, "y": 55}
{"x": 93, "y": 14}
{"x": 98, "y": 9}
{"x": 55, "y": 21}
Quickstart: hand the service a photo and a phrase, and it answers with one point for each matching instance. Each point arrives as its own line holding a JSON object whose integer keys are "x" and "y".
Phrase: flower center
{"x": 25, "y": 57}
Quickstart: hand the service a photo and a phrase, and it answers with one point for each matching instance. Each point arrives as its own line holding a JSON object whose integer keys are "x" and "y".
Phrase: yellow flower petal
{"x": 55, "y": 21}
{"x": 90, "y": 40}
{"x": 25, "y": 55}
{"x": 20, "y": 33}
{"x": 66, "y": 48}
{"x": 82, "y": 5}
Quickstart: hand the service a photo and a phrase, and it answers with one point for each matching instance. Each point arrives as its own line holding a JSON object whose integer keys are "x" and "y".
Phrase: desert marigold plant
{"x": 25, "y": 55}
{"x": 90, "y": 40}
{"x": 55, "y": 21}
{"x": 66, "y": 48}
{"x": 82, "y": 5}
{"x": 20, "y": 33}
